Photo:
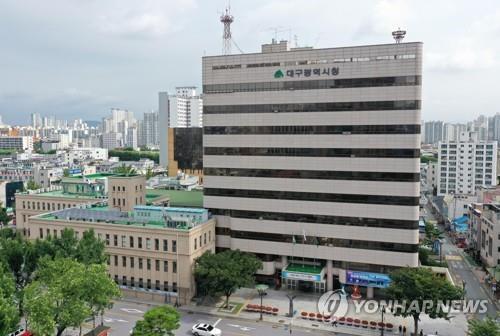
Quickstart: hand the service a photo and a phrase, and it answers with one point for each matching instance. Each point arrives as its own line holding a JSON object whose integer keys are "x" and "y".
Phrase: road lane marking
{"x": 132, "y": 310}
{"x": 242, "y": 328}
{"x": 453, "y": 257}
{"x": 217, "y": 322}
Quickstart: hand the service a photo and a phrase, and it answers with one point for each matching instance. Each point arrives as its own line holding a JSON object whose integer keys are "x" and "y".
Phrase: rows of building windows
{"x": 319, "y": 219}
{"x": 139, "y": 242}
{"x": 314, "y": 174}
{"x": 320, "y": 129}
{"x": 318, "y": 241}
{"x": 314, "y": 107}
{"x": 46, "y": 206}
{"x": 313, "y": 196}
{"x": 145, "y": 283}
{"x": 313, "y": 84}
{"x": 316, "y": 61}
{"x": 315, "y": 152}
{"x": 123, "y": 189}
{"x": 143, "y": 263}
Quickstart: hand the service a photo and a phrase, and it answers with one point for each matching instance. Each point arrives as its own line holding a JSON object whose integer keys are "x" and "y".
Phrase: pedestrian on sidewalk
{"x": 400, "y": 329}
{"x": 404, "y": 330}
{"x": 421, "y": 332}
{"x": 334, "y": 321}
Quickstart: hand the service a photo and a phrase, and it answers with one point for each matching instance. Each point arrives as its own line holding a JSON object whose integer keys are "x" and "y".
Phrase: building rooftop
{"x": 100, "y": 213}
{"x": 93, "y": 176}
{"x": 57, "y": 193}
{"x": 178, "y": 198}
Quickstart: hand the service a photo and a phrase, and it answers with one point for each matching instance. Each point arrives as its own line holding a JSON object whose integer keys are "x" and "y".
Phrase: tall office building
{"x": 163, "y": 127}
{"x": 466, "y": 164}
{"x": 311, "y": 160}
{"x": 182, "y": 109}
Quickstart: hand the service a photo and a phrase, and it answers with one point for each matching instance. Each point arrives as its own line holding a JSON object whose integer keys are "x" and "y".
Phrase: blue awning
{"x": 460, "y": 220}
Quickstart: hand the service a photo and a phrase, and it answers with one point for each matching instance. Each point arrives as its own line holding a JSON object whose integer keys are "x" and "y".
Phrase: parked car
{"x": 20, "y": 332}
{"x": 204, "y": 329}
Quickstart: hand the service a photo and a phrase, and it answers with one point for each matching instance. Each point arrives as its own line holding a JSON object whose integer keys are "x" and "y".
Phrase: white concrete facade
{"x": 466, "y": 164}
{"x": 280, "y": 166}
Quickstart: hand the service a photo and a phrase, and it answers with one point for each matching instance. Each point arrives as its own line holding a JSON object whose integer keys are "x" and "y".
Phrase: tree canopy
{"x": 421, "y": 291}
{"x": 9, "y": 317}
{"x": 486, "y": 327}
{"x": 225, "y": 272}
{"x": 125, "y": 170}
{"x": 158, "y": 321}
{"x": 22, "y": 260}
{"x": 64, "y": 293}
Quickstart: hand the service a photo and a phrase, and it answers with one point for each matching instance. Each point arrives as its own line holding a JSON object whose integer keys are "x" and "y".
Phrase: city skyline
{"x": 97, "y": 55}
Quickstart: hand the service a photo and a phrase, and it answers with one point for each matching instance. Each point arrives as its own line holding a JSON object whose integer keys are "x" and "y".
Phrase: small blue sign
{"x": 75, "y": 171}
{"x": 368, "y": 279}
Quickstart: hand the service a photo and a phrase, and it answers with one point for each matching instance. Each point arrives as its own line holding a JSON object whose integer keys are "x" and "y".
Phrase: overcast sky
{"x": 79, "y": 58}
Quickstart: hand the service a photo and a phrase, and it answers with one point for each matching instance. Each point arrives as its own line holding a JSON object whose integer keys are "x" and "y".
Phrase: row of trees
{"x": 133, "y": 155}
{"x": 54, "y": 283}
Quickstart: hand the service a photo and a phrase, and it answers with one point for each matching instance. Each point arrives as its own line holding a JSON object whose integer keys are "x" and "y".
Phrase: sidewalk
{"x": 308, "y": 303}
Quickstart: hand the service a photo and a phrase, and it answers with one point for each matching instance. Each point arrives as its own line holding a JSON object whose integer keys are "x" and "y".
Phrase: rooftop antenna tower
{"x": 226, "y": 19}
{"x": 398, "y": 35}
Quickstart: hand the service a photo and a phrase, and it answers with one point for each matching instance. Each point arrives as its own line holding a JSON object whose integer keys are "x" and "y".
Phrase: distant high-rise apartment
{"x": 36, "y": 120}
{"x": 311, "y": 160}
{"x": 433, "y": 132}
{"x": 466, "y": 164}
{"x": 148, "y": 129}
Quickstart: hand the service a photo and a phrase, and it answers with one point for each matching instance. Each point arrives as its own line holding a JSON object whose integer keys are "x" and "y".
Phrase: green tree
{"x": 56, "y": 297}
{"x": 9, "y": 316}
{"x": 31, "y": 185}
{"x": 125, "y": 170}
{"x": 99, "y": 289}
{"x": 149, "y": 173}
{"x": 4, "y": 218}
{"x": 420, "y": 291}
{"x": 158, "y": 321}
{"x": 20, "y": 258}
{"x": 486, "y": 327}
{"x": 65, "y": 172}
{"x": 90, "y": 249}
{"x": 225, "y": 272}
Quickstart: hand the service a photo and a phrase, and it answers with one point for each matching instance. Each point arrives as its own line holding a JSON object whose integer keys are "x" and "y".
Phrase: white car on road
{"x": 204, "y": 329}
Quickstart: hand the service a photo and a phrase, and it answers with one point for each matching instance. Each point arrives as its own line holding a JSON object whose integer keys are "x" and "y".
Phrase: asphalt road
{"x": 123, "y": 316}
{"x": 461, "y": 271}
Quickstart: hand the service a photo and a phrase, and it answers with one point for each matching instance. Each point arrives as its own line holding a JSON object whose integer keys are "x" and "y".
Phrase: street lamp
{"x": 261, "y": 289}
{"x": 382, "y": 311}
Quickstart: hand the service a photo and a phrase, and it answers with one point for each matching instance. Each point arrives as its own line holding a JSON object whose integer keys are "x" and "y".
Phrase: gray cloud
{"x": 74, "y": 57}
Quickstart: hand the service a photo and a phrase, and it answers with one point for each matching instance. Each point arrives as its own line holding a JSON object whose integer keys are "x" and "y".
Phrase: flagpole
{"x": 303, "y": 246}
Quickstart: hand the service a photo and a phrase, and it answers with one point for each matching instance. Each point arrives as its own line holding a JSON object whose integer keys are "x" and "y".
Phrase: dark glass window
{"x": 314, "y": 107}
{"x": 319, "y": 219}
{"x": 315, "y": 152}
{"x": 312, "y": 84}
{"x": 310, "y": 196}
{"x": 314, "y": 174}
{"x": 320, "y": 241}
{"x": 321, "y": 129}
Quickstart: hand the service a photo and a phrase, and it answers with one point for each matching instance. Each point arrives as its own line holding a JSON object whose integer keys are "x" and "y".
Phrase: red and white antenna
{"x": 226, "y": 19}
